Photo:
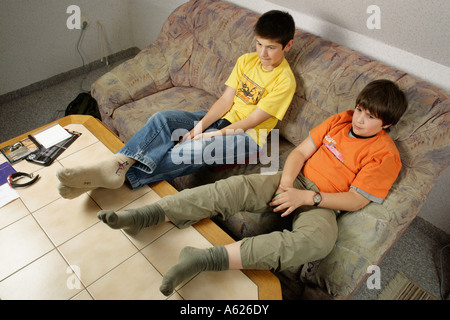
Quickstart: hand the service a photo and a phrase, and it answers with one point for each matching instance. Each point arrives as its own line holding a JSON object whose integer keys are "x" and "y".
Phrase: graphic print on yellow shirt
{"x": 249, "y": 92}
{"x": 271, "y": 92}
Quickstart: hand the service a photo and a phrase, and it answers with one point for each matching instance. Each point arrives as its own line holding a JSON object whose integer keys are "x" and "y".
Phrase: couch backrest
{"x": 205, "y": 38}
{"x": 202, "y": 40}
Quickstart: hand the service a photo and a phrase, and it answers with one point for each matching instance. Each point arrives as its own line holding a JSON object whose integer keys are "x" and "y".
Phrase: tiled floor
{"x": 53, "y": 248}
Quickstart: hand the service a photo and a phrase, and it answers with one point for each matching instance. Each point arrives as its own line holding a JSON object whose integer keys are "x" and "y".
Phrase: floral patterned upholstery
{"x": 186, "y": 68}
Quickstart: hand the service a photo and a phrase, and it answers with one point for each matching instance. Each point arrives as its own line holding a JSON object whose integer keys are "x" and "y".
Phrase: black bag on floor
{"x": 84, "y": 104}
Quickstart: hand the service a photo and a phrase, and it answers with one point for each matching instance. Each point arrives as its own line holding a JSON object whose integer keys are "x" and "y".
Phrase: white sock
{"x": 71, "y": 193}
{"x": 109, "y": 173}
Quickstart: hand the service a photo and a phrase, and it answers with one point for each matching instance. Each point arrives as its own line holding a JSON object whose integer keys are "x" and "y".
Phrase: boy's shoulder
{"x": 252, "y": 60}
{"x": 283, "y": 74}
{"x": 246, "y": 57}
{"x": 386, "y": 142}
{"x": 338, "y": 119}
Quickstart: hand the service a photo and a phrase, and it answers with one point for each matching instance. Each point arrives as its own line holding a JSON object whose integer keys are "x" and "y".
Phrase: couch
{"x": 186, "y": 68}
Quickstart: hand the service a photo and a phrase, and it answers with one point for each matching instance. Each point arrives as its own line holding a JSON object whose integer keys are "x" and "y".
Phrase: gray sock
{"x": 192, "y": 261}
{"x": 133, "y": 220}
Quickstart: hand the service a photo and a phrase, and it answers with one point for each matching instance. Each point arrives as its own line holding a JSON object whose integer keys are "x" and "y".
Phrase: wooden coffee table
{"x": 268, "y": 286}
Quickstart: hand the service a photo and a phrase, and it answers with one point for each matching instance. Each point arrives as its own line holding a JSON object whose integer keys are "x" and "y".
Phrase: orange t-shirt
{"x": 369, "y": 165}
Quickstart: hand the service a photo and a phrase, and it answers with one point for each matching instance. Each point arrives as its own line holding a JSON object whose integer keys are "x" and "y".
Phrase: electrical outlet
{"x": 84, "y": 22}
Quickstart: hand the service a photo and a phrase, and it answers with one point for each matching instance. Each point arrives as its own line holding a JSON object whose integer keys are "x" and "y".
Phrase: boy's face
{"x": 270, "y": 52}
{"x": 365, "y": 124}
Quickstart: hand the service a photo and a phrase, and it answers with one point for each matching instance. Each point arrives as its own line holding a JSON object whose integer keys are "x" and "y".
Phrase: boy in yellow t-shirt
{"x": 258, "y": 93}
{"x": 258, "y": 88}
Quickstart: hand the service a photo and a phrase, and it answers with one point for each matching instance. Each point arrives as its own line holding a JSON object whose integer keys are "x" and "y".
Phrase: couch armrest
{"x": 132, "y": 80}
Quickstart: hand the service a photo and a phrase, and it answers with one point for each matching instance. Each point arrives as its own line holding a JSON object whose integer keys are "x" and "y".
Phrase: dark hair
{"x": 276, "y": 25}
{"x": 384, "y": 100}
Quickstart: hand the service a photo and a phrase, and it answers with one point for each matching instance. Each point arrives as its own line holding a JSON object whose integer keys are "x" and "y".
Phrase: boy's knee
{"x": 322, "y": 232}
{"x": 161, "y": 115}
{"x": 281, "y": 250}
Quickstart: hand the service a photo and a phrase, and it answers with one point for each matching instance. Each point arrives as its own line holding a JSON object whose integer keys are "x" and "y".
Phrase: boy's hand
{"x": 186, "y": 137}
{"x": 289, "y": 199}
{"x": 207, "y": 135}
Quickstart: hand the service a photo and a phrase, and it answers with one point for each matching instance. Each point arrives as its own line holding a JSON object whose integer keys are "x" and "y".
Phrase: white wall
{"x": 344, "y": 22}
{"x": 417, "y": 26}
{"x": 36, "y": 43}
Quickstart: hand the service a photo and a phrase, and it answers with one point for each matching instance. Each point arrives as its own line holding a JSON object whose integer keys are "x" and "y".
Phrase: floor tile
{"x": 226, "y": 285}
{"x": 83, "y": 295}
{"x": 43, "y": 191}
{"x": 88, "y": 155}
{"x": 30, "y": 167}
{"x": 116, "y": 199}
{"x": 175, "y": 296}
{"x": 45, "y": 278}
{"x": 64, "y": 219}
{"x": 164, "y": 252}
{"x": 21, "y": 243}
{"x": 12, "y": 212}
{"x": 96, "y": 251}
{"x": 134, "y": 279}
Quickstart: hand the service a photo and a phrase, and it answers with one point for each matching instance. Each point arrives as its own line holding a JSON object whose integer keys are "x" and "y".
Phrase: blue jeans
{"x": 159, "y": 156}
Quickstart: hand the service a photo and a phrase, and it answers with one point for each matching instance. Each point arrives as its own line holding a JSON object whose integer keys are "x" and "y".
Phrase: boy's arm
{"x": 288, "y": 198}
{"x": 217, "y": 110}
{"x": 255, "y": 118}
{"x": 291, "y": 198}
{"x": 295, "y": 161}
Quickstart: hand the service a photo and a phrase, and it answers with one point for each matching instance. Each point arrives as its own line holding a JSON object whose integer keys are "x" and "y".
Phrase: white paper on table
{"x": 51, "y": 136}
{"x": 7, "y": 194}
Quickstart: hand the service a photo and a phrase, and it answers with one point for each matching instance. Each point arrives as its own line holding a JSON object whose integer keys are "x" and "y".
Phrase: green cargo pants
{"x": 314, "y": 230}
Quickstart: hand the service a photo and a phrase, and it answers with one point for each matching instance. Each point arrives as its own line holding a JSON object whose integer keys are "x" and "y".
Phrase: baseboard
{"x": 66, "y": 75}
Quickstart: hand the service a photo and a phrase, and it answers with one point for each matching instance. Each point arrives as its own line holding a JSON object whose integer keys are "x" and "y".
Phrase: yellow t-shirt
{"x": 271, "y": 91}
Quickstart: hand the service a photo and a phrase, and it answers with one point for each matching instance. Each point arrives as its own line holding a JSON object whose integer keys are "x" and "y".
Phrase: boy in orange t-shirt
{"x": 369, "y": 165}
{"x": 347, "y": 161}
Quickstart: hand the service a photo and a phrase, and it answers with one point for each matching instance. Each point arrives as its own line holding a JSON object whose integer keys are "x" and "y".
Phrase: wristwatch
{"x": 317, "y": 198}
